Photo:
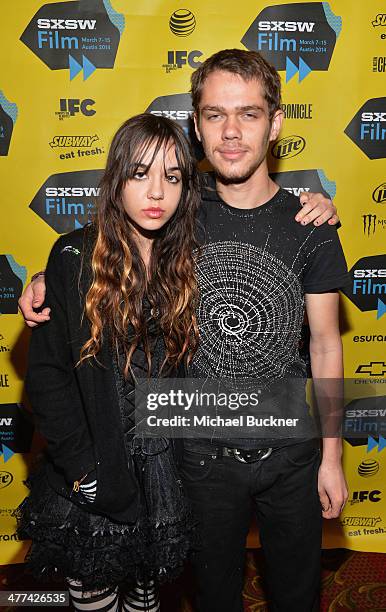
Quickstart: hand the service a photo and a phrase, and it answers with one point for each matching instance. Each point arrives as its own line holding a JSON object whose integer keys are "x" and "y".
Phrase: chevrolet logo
{"x": 374, "y": 368}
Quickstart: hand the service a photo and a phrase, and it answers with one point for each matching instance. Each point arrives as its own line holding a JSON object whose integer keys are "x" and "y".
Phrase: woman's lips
{"x": 153, "y": 213}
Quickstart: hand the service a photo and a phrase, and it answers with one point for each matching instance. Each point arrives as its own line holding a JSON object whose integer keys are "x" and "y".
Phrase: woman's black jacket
{"x": 77, "y": 408}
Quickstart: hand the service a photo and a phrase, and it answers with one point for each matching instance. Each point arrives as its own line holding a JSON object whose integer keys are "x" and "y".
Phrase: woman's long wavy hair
{"x": 120, "y": 281}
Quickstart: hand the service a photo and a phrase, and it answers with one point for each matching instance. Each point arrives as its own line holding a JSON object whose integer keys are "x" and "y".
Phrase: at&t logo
{"x": 182, "y": 22}
{"x": 368, "y": 468}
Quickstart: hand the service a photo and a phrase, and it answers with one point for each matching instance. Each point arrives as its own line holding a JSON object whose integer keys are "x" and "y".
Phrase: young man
{"x": 259, "y": 258}
{"x": 257, "y": 269}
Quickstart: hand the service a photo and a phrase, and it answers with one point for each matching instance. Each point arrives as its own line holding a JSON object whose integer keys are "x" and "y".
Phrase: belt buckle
{"x": 238, "y": 455}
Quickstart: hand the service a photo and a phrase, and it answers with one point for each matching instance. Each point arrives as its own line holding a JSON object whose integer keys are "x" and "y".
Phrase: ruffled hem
{"x": 70, "y": 542}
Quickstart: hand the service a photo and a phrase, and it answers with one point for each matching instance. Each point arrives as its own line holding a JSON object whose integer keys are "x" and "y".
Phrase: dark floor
{"x": 350, "y": 581}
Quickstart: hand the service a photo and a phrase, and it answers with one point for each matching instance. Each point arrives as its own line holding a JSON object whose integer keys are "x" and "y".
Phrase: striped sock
{"x": 105, "y": 600}
{"x": 142, "y": 597}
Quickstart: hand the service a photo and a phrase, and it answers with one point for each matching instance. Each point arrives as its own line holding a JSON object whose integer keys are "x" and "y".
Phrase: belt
{"x": 247, "y": 456}
{"x": 240, "y": 454}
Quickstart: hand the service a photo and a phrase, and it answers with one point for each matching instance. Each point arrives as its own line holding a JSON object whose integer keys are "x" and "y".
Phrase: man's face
{"x": 234, "y": 126}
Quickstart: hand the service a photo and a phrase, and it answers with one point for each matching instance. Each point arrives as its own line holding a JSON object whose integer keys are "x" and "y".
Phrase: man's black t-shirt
{"x": 254, "y": 269}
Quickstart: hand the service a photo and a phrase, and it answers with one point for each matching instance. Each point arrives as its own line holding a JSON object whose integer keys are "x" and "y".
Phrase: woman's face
{"x": 151, "y": 197}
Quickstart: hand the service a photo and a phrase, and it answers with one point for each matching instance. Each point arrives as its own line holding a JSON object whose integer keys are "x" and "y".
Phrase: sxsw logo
{"x": 365, "y": 418}
{"x": 79, "y": 35}
{"x": 367, "y": 289}
{"x": 67, "y": 200}
{"x": 12, "y": 278}
{"x": 178, "y": 107}
{"x": 298, "y": 181}
{"x": 297, "y": 38}
{"x": 8, "y": 116}
{"x": 69, "y": 107}
{"x": 16, "y": 430}
{"x": 379, "y": 445}
{"x": 367, "y": 129}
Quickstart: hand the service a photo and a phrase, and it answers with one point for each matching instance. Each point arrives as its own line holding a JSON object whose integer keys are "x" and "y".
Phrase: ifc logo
{"x": 182, "y": 22}
{"x": 368, "y": 468}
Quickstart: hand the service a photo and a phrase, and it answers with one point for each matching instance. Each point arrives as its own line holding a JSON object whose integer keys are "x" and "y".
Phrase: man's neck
{"x": 253, "y": 192}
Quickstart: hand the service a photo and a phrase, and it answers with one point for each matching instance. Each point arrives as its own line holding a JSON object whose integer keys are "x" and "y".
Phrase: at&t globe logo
{"x": 368, "y": 467}
{"x": 182, "y": 22}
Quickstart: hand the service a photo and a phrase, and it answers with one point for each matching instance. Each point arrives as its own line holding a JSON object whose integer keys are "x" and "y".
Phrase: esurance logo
{"x": 6, "y": 478}
{"x": 8, "y": 116}
{"x": 298, "y": 181}
{"x": 179, "y": 108}
{"x": 367, "y": 289}
{"x": 379, "y": 194}
{"x": 78, "y": 35}
{"x": 12, "y": 278}
{"x": 367, "y": 129}
{"x": 297, "y": 38}
{"x": 66, "y": 201}
{"x": 287, "y": 147}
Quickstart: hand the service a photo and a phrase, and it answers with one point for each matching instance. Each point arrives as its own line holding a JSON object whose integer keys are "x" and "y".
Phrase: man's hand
{"x": 332, "y": 489}
{"x": 316, "y": 209}
{"x": 33, "y": 297}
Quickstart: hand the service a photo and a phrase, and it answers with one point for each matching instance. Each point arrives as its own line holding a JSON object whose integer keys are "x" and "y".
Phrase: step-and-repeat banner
{"x": 73, "y": 71}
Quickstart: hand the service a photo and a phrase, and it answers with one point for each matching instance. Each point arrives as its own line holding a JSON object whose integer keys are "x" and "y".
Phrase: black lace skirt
{"x": 68, "y": 541}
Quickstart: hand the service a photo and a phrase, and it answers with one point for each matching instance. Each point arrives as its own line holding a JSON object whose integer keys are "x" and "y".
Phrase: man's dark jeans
{"x": 282, "y": 491}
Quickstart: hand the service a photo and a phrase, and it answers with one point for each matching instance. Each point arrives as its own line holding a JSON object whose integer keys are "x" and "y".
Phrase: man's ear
{"x": 196, "y": 126}
{"x": 276, "y": 125}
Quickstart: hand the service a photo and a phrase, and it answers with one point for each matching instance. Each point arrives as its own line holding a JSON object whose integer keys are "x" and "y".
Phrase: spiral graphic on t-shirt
{"x": 250, "y": 313}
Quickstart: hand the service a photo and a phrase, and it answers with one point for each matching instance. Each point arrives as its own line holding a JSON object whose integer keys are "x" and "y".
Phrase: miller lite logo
{"x": 287, "y": 147}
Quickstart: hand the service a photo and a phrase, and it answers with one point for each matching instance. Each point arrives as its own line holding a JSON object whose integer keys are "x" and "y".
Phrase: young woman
{"x": 108, "y": 507}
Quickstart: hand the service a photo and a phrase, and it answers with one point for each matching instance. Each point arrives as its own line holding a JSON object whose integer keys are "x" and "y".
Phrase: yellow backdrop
{"x": 72, "y": 72}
